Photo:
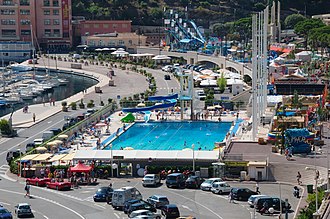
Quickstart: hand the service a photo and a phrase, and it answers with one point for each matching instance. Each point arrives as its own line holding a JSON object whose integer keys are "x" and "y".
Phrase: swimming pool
{"x": 172, "y": 135}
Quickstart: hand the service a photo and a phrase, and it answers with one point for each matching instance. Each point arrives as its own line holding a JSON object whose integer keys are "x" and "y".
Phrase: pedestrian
{"x": 27, "y": 189}
{"x": 230, "y": 197}
{"x": 257, "y": 187}
{"x": 34, "y": 117}
{"x": 53, "y": 101}
{"x": 298, "y": 178}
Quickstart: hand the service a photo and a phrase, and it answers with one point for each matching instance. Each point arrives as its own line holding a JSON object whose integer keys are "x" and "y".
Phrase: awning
{"x": 81, "y": 168}
{"x": 57, "y": 157}
{"x": 42, "y": 157}
{"x": 29, "y": 157}
{"x": 68, "y": 157}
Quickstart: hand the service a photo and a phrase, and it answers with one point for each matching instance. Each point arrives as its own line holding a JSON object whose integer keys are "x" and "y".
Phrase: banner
{"x": 65, "y": 18}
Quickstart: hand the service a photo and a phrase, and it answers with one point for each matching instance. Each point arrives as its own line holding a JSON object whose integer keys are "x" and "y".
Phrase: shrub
{"x": 90, "y": 104}
{"x": 73, "y": 105}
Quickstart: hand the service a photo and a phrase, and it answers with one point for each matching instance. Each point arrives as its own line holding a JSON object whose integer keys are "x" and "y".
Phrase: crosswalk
{"x": 3, "y": 172}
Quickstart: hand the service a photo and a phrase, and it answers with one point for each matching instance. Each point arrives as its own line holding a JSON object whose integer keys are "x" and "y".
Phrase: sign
{"x": 236, "y": 163}
{"x": 65, "y": 18}
{"x": 118, "y": 157}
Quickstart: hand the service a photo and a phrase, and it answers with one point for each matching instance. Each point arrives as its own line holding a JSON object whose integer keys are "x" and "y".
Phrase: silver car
{"x": 207, "y": 184}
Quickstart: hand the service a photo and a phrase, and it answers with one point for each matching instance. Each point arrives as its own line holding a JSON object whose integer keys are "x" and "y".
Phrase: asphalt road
{"x": 78, "y": 203}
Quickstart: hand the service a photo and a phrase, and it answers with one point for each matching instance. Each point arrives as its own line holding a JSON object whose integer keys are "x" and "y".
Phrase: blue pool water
{"x": 172, "y": 135}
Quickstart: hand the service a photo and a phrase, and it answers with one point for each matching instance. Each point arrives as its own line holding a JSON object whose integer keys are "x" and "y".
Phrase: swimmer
{"x": 156, "y": 136}
{"x": 185, "y": 143}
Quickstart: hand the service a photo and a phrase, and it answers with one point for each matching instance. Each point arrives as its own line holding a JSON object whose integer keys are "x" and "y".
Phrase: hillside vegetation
{"x": 204, "y": 12}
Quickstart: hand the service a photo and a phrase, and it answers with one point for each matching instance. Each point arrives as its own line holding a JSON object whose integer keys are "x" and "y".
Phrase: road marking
{"x": 3, "y": 173}
{"x": 4, "y": 203}
{"x": 45, "y": 216}
{"x": 33, "y": 136}
{"x": 47, "y": 200}
{"x": 49, "y": 122}
{"x": 85, "y": 192}
{"x": 210, "y": 210}
{"x": 98, "y": 205}
{"x": 186, "y": 207}
{"x": 116, "y": 215}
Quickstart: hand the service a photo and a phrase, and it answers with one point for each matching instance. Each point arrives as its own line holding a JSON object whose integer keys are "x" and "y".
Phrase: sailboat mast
{"x": 33, "y": 52}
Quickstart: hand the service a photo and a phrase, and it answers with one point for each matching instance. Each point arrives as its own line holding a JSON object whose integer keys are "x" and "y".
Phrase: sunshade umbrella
{"x": 62, "y": 136}
{"x": 99, "y": 49}
{"x": 41, "y": 149}
{"x": 51, "y": 143}
{"x": 100, "y": 124}
{"x": 141, "y": 105}
{"x": 106, "y": 49}
{"x": 58, "y": 141}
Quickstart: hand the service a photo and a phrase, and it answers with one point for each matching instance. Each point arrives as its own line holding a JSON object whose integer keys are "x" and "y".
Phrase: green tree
{"x": 5, "y": 127}
{"x": 295, "y": 100}
{"x": 222, "y": 83}
{"x": 304, "y": 27}
{"x": 291, "y": 20}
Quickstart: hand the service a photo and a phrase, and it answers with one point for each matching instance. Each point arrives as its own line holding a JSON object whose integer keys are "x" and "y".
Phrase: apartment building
{"x": 324, "y": 17}
{"x": 49, "y": 21}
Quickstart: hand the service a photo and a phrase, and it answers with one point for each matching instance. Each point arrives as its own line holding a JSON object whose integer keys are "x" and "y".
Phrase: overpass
{"x": 193, "y": 57}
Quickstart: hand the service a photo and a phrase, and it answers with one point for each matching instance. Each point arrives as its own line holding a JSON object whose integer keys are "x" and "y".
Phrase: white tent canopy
{"x": 161, "y": 57}
{"x": 208, "y": 83}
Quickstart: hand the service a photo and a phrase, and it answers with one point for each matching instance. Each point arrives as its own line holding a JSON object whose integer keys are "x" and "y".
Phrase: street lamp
{"x": 317, "y": 175}
{"x": 193, "y": 150}
{"x": 111, "y": 160}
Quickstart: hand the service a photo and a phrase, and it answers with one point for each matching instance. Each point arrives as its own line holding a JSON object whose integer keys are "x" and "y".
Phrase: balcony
{"x": 52, "y": 36}
{"x": 9, "y": 37}
{"x": 7, "y": 5}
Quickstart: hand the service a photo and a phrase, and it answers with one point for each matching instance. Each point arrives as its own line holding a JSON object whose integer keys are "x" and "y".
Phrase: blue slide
{"x": 201, "y": 37}
{"x": 168, "y": 101}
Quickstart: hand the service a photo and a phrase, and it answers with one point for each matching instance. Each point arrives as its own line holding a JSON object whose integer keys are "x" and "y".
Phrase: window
{"x": 7, "y": 11}
{"x": 47, "y": 12}
{"x": 55, "y": 3}
{"x": 114, "y": 25}
{"x": 8, "y": 2}
{"x": 47, "y": 21}
{"x": 121, "y": 43}
{"x": 5, "y": 54}
{"x": 48, "y": 32}
{"x": 130, "y": 42}
{"x": 25, "y": 22}
{"x": 56, "y": 22}
{"x": 96, "y": 26}
{"x": 124, "y": 25}
{"x": 8, "y": 33}
{"x": 8, "y": 22}
{"x": 26, "y": 32}
{"x": 57, "y": 32}
{"x": 56, "y": 12}
{"x": 46, "y": 3}
{"x": 105, "y": 25}
{"x": 25, "y": 12}
{"x": 66, "y": 35}
{"x": 24, "y": 2}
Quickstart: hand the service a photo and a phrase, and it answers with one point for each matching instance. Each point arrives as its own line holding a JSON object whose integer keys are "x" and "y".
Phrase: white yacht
{"x": 19, "y": 67}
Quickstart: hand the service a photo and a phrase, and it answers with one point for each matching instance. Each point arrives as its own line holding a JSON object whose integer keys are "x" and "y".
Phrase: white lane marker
{"x": 49, "y": 122}
{"x": 98, "y": 205}
{"x": 186, "y": 207}
{"x": 210, "y": 210}
{"x": 85, "y": 192}
{"x": 47, "y": 200}
{"x": 116, "y": 215}
{"x": 33, "y": 136}
{"x": 45, "y": 216}
{"x": 4, "y": 203}
{"x": 3, "y": 173}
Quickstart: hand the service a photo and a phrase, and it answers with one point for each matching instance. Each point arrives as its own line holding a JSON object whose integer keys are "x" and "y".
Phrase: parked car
{"x": 220, "y": 187}
{"x": 30, "y": 146}
{"x": 59, "y": 185}
{"x": 194, "y": 182}
{"x": 12, "y": 154}
{"x": 38, "y": 141}
{"x": 273, "y": 202}
{"x": 56, "y": 131}
{"x": 144, "y": 212}
{"x": 38, "y": 181}
{"x": 142, "y": 205}
{"x": 158, "y": 201}
{"x": 103, "y": 194}
{"x": 252, "y": 199}
{"x": 129, "y": 203}
{"x": 175, "y": 180}
{"x": 170, "y": 211}
{"x": 242, "y": 194}
{"x": 207, "y": 184}
{"x": 151, "y": 180}
{"x": 23, "y": 209}
{"x": 5, "y": 214}
{"x": 124, "y": 194}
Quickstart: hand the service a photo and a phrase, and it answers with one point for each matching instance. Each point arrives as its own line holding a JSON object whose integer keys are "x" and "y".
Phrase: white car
{"x": 167, "y": 68}
{"x": 220, "y": 187}
{"x": 23, "y": 209}
{"x": 207, "y": 184}
{"x": 151, "y": 180}
{"x": 148, "y": 213}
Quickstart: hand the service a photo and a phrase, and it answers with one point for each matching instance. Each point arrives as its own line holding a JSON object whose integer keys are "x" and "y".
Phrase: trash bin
{"x": 310, "y": 189}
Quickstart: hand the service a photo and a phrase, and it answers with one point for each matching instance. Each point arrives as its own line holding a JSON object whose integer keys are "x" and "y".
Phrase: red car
{"x": 59, "y": 185}
{"x": 38, "y": 181}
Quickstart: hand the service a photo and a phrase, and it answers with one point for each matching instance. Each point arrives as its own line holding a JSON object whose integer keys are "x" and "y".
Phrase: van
{"x": 122, "y": 195}
{"x": 47, "y": 135}
{"x": 38, "y": 141}
{"x": 200, "y": 94}
{"x": 273, "y": 202}
{"x": 177, "y": 180}
{"x": 151, "y": 180}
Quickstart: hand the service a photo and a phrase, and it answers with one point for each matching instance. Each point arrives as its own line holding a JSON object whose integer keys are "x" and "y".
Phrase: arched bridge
{"x": 193, "y": 58}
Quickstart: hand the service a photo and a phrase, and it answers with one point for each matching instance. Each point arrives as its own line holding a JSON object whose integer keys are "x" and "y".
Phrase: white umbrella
{"x": 207, "y": 72}
{"x": 113, "y": 49}
{"x": 106, "y": 49}
{"x": 100, "y": 124}
{"x": 141, "y": 105}
{"x": 62, "y": 136}
{"x": 161, "y": 57}
{"x": 120, "y": 49}
{"x": 118, "y": 52}
{"x": 98, "y": 50}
